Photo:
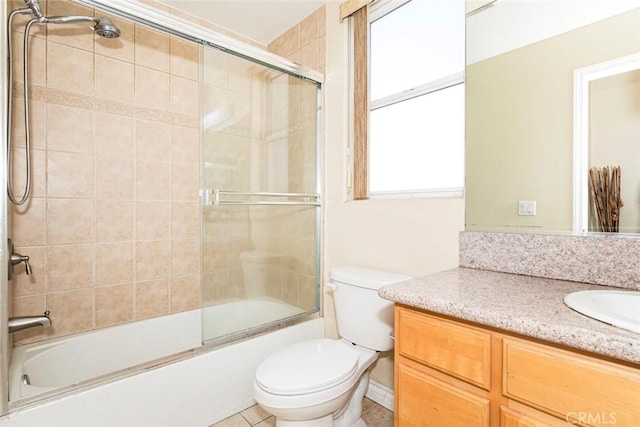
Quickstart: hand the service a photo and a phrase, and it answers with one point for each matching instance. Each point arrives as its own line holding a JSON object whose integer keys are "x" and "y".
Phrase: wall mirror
{"x": 522, "y": 59}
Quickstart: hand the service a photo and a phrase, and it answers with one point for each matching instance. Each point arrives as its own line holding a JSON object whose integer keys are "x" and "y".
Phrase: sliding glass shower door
{"x": 260, "y": 197}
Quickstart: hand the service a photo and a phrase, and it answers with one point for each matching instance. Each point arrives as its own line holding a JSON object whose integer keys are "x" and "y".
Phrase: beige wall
{"x": 113, "y": 226}
{"x": 520, "y": 124}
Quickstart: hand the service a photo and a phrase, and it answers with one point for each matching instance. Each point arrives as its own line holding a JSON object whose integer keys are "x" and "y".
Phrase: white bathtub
{"x": 195, "y": 391}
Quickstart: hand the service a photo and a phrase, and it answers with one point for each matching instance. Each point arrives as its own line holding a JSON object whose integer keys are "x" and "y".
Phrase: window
{"x": 416, "y": 97}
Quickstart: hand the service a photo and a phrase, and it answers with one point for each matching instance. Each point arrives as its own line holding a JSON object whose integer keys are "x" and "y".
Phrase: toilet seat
{"x": 307, "y": 367}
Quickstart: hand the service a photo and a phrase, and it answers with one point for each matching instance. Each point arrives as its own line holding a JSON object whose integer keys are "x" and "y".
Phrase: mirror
{"x": 521, "y": 60}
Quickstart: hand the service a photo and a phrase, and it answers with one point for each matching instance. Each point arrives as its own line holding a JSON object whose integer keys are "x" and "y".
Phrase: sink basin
{"x": 618, "y": 308}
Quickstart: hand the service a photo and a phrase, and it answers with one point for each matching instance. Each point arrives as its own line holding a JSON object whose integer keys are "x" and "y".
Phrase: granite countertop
{"x": 530, "y": 306}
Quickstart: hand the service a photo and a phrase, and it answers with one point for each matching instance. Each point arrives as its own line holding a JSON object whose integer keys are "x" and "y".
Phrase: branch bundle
{"x": 605, "y": 196}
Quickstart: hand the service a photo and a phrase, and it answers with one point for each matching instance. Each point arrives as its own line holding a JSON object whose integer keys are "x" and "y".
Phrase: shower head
{"x": 104, "y": 27}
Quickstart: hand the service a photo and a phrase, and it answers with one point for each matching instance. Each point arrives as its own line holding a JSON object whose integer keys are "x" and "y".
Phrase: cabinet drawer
{"x": 426, "y": 401}
{"x": 512, "y": 418}
{"x": 574, "y": 387}
{"x": 457, "y": 350}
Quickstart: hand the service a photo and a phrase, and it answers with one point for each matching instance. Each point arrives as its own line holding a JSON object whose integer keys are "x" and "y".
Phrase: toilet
{"x": 322, "y": 382}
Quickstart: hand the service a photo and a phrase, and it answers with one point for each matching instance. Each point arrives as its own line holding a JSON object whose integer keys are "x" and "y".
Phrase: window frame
{"x": 377, "y": 10}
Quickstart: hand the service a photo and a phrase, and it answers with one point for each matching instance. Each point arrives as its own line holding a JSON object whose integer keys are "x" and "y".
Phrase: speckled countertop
{"x": 526, "y": 305}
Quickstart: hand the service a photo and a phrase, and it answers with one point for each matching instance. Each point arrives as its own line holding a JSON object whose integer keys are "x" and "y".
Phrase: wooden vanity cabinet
{"x": 450, "y": 373}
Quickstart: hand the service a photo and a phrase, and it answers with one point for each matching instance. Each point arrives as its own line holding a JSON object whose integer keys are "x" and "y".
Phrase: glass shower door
{"x": 260, "y": 207}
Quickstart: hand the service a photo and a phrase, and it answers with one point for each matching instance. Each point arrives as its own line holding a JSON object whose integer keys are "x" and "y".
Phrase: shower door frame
{"x": 4, "y": 226}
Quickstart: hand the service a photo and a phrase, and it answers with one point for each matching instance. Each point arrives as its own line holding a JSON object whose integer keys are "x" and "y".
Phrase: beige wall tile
{"x": 185, "y": 180}
{"x": 74, "y": 34}
{"x": 70, "y": 175}
{"x": 184, "y": 96}
{"x": 309, "y": 55}
{"x": 37, "y": 57}
{"x": 70, "y": 267}
{"x": 153, "y": 259}
{"x": 185, "y": 220}
{"x": 114, "y": 220}
{"x": 37, "y": 119}
{"x": 114, "y": 263}
{"x": 20, "y": 21}
{"x": 309, "y": 29}
{"x": 240, "y": 75}
{"x": 152, "y": 88}
{"x": 114, "y": 79}
{"x": 153, "y": 141}
{"x": 71, "y": 312}
{"x": 121, "y": 48}
{"x": 152, "y": 49}
{"x": 114, "y": 305}
{"x": 185, "y": 145}
{"x": 152, "y": 298}
{"x": 69, "y": 129}
{"x": 322, "y": 21}
{"x": 291, "y": 40}
{"x": 114, "y": 178}
{"x": 113, "y": 135}
{"x": 60, "y": 230}
{"x": 38, "y": 172}
{"x": 216, "y": 67}
{"x": 69, "y": 69}
{"x": 185, "y": 58}
{"x": 185, "y": 257}
{"x": 185, "y": 293}
{"x": 29, "y": 223}
{"x": 153, "y": 220}
{"x": 153, "y": 181}
{"x": 33, "y": 284}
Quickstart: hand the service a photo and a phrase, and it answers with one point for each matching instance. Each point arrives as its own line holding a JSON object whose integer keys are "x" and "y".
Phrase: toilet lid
{"x": 306, "y": 367}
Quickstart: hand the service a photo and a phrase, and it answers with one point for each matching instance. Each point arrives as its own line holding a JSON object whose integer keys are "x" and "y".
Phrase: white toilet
{"x": 321, "y": 383}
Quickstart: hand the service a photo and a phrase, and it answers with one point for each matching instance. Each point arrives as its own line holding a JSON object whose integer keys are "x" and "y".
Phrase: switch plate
{"x": 526, "y": 207}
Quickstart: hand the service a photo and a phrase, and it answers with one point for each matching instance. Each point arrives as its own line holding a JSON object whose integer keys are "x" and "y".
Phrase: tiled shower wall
{"x": 113, "y": 225}
{"x": 112, "y": 228}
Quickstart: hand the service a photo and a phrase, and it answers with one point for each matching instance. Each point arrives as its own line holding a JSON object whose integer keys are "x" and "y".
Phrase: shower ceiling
{"x": 259, "y": 20}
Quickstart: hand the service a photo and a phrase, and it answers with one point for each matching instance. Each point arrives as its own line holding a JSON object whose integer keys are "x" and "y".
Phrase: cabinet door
{"x": 427, "y": 401}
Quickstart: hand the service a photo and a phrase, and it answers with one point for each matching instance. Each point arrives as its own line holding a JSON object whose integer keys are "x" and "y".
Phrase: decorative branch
{"x": 605, "y": 196}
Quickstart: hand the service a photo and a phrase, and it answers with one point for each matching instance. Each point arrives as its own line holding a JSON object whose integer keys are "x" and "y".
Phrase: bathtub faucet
{"x": 23, "y": 322}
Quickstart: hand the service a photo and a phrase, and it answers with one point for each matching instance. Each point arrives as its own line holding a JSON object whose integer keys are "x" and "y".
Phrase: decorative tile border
{"x": 601, "y": 260}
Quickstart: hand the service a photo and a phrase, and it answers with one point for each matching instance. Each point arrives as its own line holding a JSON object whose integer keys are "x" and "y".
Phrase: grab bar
{"x": 212, "y": 197}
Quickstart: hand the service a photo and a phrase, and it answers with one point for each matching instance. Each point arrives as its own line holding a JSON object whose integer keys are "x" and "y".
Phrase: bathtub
{"x": 200, "y": 388}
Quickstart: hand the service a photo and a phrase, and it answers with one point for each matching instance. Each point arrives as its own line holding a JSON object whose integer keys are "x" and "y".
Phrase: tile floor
{"x": 373, "y": 414}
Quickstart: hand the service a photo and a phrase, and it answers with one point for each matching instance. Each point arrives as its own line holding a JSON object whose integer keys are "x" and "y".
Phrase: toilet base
{"x": 349, "y": 416}
{"x": 326, "y": 421}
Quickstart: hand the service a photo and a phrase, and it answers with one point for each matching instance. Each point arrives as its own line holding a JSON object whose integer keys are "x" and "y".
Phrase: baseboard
{"x": 380, "y": 394}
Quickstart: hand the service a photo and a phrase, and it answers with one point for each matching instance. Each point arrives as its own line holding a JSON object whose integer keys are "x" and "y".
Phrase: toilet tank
{"x": 363, "y": 317}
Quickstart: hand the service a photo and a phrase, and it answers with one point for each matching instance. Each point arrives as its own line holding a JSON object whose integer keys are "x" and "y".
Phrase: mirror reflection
{"x": 520, "y": 112}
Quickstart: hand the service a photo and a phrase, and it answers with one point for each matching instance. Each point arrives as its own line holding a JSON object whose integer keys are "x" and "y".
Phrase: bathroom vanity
{"x": 479, "y": 348}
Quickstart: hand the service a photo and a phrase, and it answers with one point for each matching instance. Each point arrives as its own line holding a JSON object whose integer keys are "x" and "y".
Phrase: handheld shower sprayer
{"x": 102, "y": 26}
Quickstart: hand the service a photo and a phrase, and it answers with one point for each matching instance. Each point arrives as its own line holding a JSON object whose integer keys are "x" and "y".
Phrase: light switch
{"x": 526, "y": 207}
